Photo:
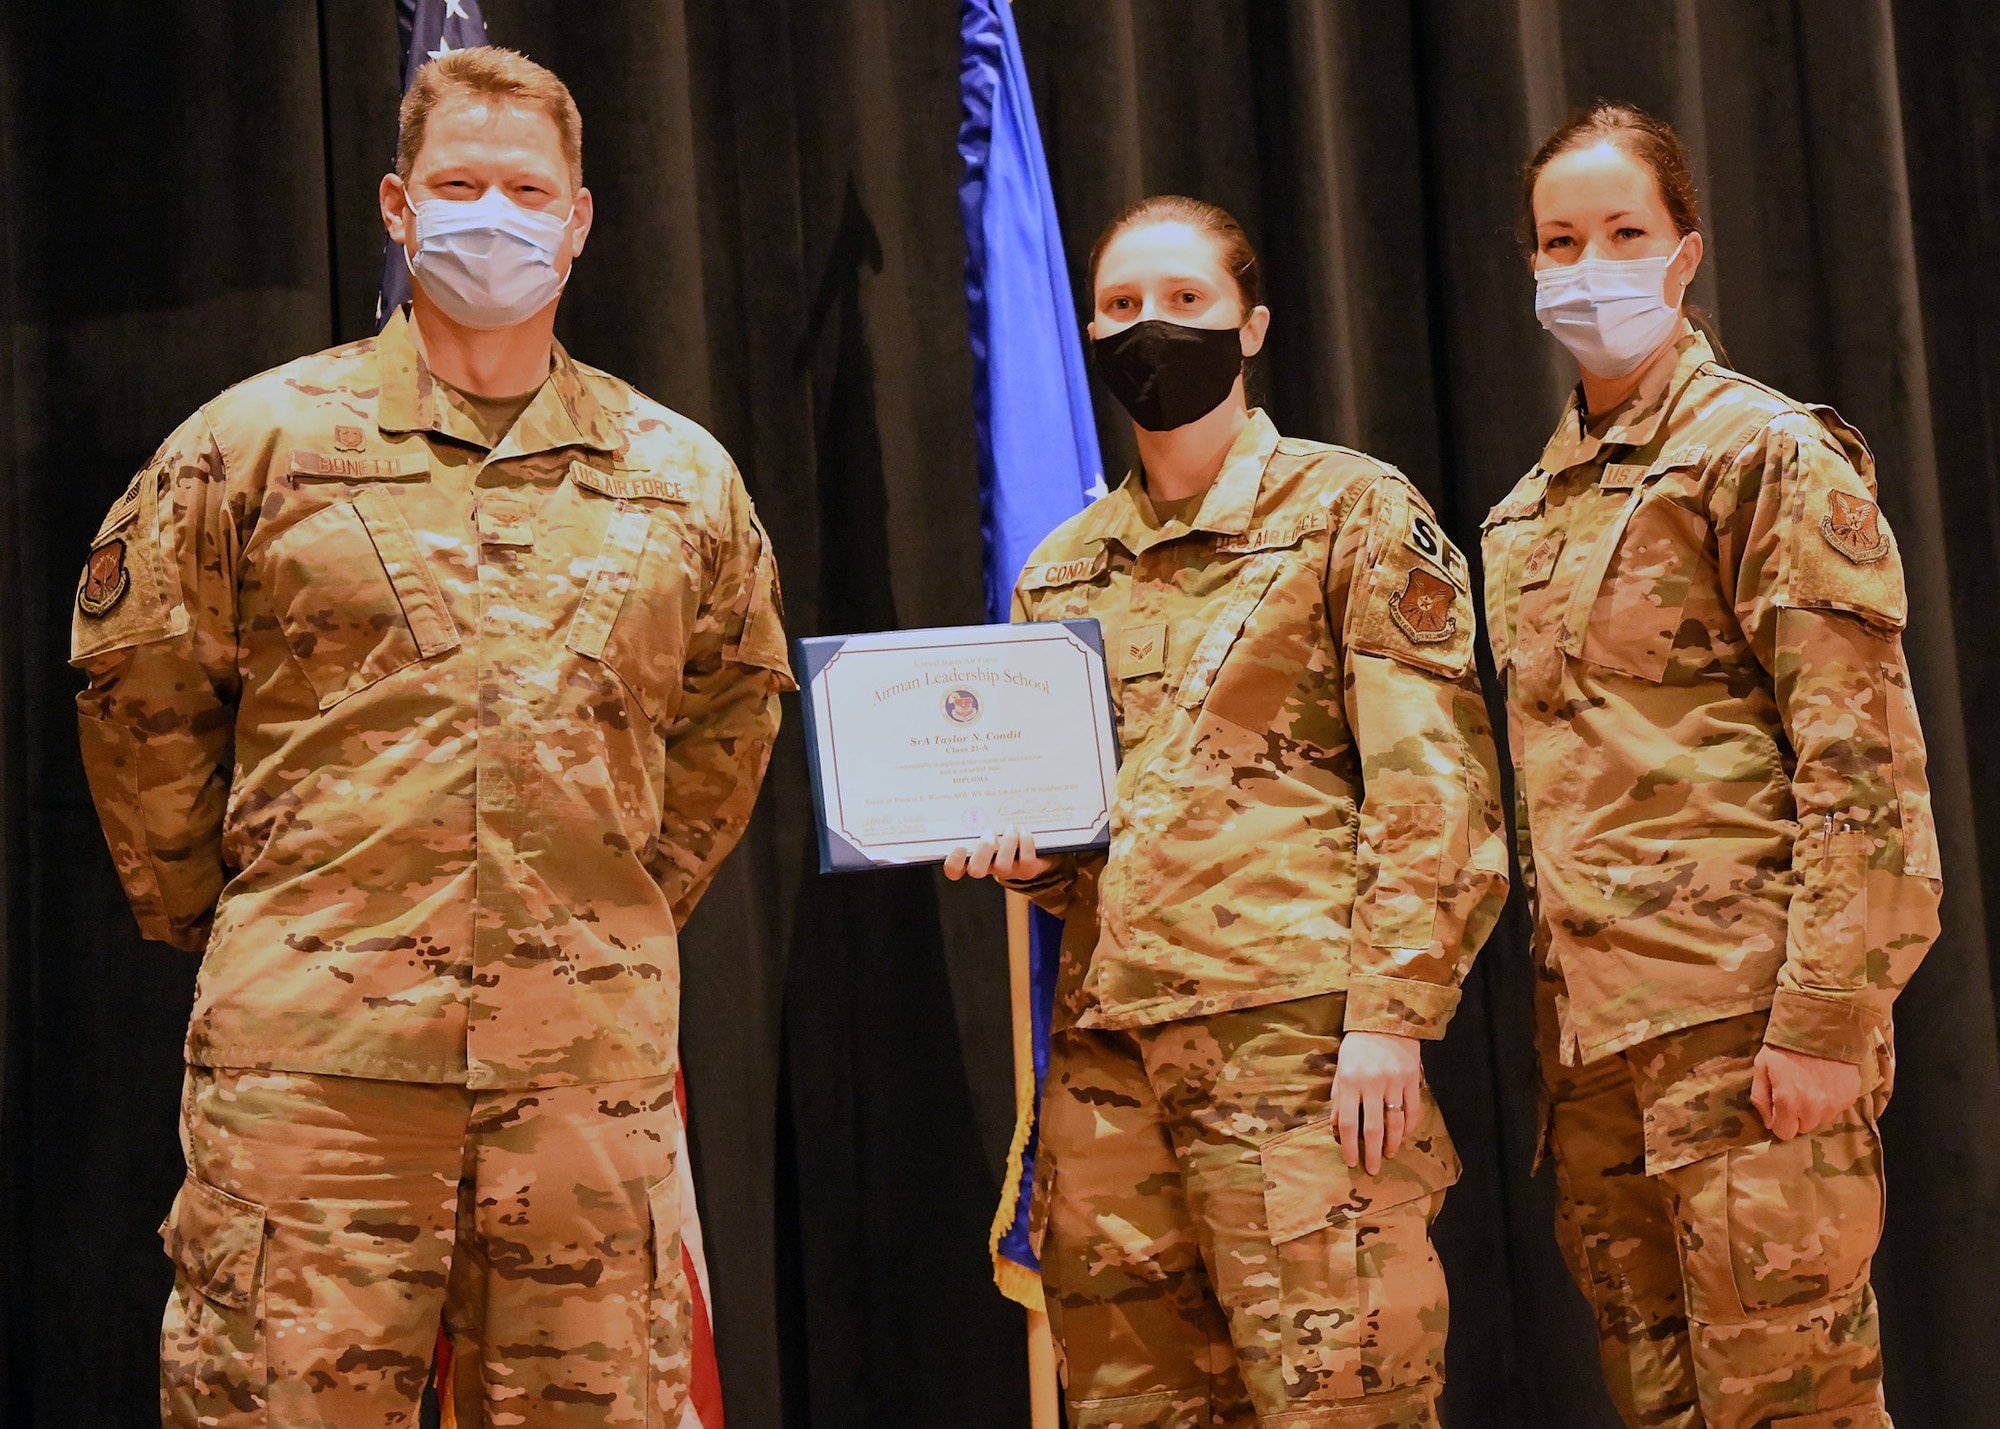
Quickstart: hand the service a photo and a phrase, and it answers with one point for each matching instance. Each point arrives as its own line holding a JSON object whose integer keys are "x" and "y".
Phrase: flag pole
{"x": 1042, "y": 1391}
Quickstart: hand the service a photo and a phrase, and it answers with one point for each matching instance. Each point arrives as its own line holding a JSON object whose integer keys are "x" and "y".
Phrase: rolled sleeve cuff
{"x": 1399, "y": 1006}
{"x": 1819, "y": 1025}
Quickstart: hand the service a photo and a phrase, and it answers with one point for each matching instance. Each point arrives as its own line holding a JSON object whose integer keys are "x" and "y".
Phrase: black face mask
{"x": 1167, "y": 374}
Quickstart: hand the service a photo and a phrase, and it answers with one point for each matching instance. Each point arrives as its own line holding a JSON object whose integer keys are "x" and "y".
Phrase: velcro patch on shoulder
{"x": 1055, "y": 573}
{"x": 1288, "y": 531}
{"x": 125, "y": 507}
{"x": 632, "y": 485}
{"x": 1843, "y": 554}
{"x": 129, "y": 592}
{"x": 1414, "y": 602}
{"x": 1424, "y": 536}
{"x": 345, "y": 466}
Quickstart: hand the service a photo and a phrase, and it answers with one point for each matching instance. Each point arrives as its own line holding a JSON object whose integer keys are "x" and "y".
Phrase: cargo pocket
{"x": 1396, "y": 898}
{"x": 1361, "y": 1295}
{"x": 636, "y": 611}
{"x": 212, "y": 1350}
{"x": 1780, "y": 1226}
{"x": 670, "y": 1360}
{"x": 355, "y": 597}
{"x": 1829, "y": 914}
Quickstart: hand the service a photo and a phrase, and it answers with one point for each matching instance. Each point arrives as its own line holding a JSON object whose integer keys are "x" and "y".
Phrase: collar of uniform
{"x": 1636, "y": 420}
{"x": 1226, "y": 510}
{"x": 563, "y": 413}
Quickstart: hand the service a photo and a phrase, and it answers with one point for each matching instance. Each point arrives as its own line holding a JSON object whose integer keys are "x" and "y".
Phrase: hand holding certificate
{"x": 923, "y": 741}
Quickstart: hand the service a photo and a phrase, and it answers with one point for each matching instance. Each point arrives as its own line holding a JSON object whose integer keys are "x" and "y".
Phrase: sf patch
{"x": 105, "y": 580}
{"x": 1426, "y": 540}
{"x": 1853, "y": 527}
{"x": 1422, "y": 609}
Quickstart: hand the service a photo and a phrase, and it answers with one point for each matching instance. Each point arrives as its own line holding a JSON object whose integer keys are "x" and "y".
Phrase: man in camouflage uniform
{"x": 1306, "y": 845}
{"x": 428, "y": 727}
{"x": 1726, "y": 834}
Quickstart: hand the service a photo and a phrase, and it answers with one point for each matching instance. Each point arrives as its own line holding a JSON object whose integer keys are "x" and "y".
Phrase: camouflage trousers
{"x": 1728, "y": 1271}
{"x": 1208, "y": 1257}
{"x": 328, "y": 1224}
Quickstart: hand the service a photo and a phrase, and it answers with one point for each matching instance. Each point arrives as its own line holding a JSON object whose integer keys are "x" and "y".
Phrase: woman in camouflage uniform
{"x": 1695, "y": 605}
{"x": 1239, "y": 1161}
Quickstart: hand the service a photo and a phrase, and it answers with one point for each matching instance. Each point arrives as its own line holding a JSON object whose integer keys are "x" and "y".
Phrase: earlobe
{"x": 1253, "y": 330}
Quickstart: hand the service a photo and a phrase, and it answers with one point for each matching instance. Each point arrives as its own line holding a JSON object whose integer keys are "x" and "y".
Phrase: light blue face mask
{"x": 1611, "y": 313}
{"x": 488, "y": 263}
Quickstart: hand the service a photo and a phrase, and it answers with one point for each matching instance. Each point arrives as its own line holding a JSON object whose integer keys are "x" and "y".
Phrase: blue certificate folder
{"x": 921, "y": 740}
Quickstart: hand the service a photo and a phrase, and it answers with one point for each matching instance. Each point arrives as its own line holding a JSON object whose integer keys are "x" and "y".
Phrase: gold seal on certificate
{"x": 925, "y": 740}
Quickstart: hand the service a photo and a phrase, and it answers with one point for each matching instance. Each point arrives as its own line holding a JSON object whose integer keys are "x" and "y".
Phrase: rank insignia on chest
{"x": 1853, "y": 527}
{"x": 105, "y": 580}
{"x": 1422, "y": 609}
{"x": 1541, "y": 562}
{"x": 1143, "y": 650}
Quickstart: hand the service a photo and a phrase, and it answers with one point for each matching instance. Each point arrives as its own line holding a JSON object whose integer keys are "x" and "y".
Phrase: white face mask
{"x": 489, "y": 263}
{"x": 1610, "y": 313}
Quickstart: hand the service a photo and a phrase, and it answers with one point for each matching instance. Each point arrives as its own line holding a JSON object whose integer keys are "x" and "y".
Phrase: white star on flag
{"x": 455, "y": 8}
{"x": 443, "y": 49}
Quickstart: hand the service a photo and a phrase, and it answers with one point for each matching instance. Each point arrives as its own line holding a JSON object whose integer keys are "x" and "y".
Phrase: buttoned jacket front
{"x": 430, "y": 748}
{"x": 1307, "y": 801}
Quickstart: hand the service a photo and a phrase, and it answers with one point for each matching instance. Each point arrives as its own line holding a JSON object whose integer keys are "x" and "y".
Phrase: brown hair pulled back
{"x": 1646, "y": 138}
{"x": 1239, "y": 259}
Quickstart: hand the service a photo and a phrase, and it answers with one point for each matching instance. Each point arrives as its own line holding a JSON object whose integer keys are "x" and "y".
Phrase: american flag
{"x": 430, "y": 30}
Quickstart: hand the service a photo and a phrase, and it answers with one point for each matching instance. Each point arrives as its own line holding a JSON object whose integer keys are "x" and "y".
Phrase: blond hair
{"x": 487, "y": 71}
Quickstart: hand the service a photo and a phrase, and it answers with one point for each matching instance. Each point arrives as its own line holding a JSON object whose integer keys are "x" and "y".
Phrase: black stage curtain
{"x": 187, "y": 197}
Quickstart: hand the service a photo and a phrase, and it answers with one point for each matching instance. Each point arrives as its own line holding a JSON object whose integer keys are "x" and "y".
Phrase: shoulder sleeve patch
{"x": 129, "y": 592}
{"x": 1842, "y": 554}
{"x": 1427, "y": 539}
{"x": 1414, "y": 602}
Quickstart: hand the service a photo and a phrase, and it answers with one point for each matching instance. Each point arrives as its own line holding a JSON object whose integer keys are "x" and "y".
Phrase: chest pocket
{"x": 1268, "y": 635}
{"x": 1645, "y": 577}
{"x": 641, "y": 602}
{"x": 355, "y": 597}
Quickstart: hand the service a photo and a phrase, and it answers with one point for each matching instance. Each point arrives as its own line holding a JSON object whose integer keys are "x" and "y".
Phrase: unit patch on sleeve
{"x": 1853, "y": 527}
{"x": 105, "y": 580}
{"x": 1422, "y": 609}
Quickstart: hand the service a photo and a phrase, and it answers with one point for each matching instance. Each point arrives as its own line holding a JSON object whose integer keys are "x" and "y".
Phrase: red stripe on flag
{"x": 704, "y": 1409}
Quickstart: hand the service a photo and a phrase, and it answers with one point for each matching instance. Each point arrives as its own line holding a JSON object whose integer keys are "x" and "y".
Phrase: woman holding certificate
{"x": 1239, "y": 1160}
{"x": 1695, "y": 605}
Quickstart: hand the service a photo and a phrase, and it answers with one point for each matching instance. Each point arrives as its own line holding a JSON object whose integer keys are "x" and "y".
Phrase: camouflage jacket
{"x": 1307, "y": 801}
{"x": 1719, "y": 771}
{"x": 431, "y": 749}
